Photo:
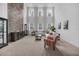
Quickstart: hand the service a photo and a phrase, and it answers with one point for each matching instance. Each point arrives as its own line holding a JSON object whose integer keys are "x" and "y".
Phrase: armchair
{"x": 51, "y": 42}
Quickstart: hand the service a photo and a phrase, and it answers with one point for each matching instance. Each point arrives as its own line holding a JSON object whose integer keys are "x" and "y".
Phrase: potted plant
{"x": 52, "y": 28}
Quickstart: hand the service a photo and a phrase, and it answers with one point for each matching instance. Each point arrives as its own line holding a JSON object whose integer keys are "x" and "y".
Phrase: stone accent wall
{"x": 15, "y": 17}
{"x": 15, "y": 21}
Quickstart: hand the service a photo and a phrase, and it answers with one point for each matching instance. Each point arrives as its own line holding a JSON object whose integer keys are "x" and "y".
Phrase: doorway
{"x": 3, "y": 32}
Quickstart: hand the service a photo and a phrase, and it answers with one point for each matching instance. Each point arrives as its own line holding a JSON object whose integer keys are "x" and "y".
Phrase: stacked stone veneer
{"x": 15, "y": 16}
{"x": 15, "y": 20}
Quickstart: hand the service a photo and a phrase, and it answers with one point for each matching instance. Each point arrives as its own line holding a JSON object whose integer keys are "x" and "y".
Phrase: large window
{"x": 31, "y": 11}
{"x": 49, "y": 12}
{"x": 31, "y": 27}
{"x": 40, "y": 11}
{"x": 49, "y": 26}
{"x": 40, "y": 26}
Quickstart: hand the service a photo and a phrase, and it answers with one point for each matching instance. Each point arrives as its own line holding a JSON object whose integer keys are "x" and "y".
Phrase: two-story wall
{"x": 68, "y": 12}
{"x": 38, "y": 17}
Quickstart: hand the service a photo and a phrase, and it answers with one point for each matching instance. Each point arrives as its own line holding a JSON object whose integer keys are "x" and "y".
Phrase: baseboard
{"x": 71, "y": 43}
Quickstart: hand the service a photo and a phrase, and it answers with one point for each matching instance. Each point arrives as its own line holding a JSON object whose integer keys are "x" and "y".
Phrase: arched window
{"x": 40, "y": 26}
{"x": 49, "y": 12}
{"x": 40, "y": 12}
{"x": 31, "y": 11}
{"x": 31, "y": 26}
{"x": 49, "y": 26}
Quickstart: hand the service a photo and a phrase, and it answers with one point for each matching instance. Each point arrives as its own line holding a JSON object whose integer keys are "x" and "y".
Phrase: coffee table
{"x": 38, "y": 37}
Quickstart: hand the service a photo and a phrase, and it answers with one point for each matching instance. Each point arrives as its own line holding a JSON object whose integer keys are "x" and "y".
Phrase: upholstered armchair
{"x": 50, "y": 42}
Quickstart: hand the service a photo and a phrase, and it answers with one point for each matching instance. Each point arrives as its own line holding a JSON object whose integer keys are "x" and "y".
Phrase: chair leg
{"x": 53, "y": 46}
{"x": 44, "y": 45}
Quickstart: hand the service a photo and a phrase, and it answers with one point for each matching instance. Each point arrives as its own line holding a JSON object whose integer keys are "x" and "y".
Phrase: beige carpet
{"x": 28, "y": 46}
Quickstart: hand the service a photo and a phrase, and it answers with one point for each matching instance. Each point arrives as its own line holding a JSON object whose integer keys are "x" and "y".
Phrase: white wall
{"x": 3, "y": 10}
{"x": 68, "y": 12}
